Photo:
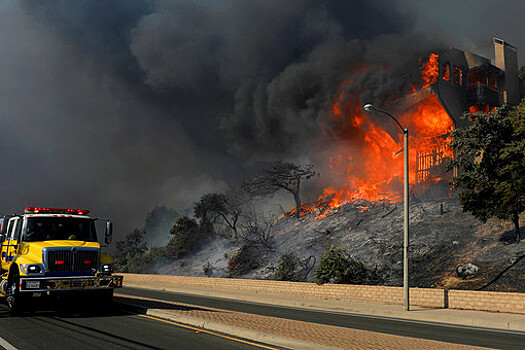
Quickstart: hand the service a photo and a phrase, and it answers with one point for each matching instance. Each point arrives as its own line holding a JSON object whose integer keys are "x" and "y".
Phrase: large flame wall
{"x": 368, "y": 161}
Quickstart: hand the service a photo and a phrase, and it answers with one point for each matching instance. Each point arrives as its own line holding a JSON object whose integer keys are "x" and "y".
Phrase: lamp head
{"x": 369, "y": 107}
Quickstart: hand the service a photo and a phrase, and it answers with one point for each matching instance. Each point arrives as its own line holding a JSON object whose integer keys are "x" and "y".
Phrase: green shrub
{"x": 286, "y": 268}
{"x": 153, "y": 258}
{"x": 244, "y": 260}
{"x": 337, "y": 267}
{"x": 186, "y": 234}
{"x": 133, "y": 256}
{"x": 130, "y": 251}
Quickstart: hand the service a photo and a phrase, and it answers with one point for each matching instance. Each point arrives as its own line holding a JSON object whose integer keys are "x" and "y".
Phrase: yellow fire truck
{"x": 52, "y": 251}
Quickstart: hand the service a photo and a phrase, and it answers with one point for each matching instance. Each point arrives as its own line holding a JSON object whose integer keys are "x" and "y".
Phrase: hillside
{"x": 442, "y": 238}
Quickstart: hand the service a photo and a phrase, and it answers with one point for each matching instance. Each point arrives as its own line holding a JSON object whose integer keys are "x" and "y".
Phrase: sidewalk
{"x": 279, "y": 332}
{"x": 506, "y": 321}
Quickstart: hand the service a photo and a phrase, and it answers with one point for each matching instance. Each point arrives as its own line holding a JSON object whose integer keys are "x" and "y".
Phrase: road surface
{"x": 65, "y": 326}
{"x": 73, "y": 328}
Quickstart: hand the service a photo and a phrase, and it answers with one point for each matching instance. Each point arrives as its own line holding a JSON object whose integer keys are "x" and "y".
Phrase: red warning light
{"x": 36, "y": 210}
{"x": 59, "y": 262}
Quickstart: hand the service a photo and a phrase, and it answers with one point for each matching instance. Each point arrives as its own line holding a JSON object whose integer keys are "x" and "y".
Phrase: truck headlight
{"x": 34, "y": 269}
{"x": 31, "y": 269}
{"x": 106, "y": 268}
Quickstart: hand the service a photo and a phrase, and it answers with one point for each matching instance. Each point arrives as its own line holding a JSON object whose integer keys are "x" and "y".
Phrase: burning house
{"x": 367, "y": 159}
{"x": 466, "y": 82}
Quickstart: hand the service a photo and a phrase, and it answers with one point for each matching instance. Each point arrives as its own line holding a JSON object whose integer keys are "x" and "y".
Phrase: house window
{"x": 445, "y": 71}
{"x": 458, "y": 76}
{"x": 492, "y": 80}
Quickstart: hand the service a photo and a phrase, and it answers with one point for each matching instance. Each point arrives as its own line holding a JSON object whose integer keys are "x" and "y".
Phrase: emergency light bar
{"x": 37, "y": 210}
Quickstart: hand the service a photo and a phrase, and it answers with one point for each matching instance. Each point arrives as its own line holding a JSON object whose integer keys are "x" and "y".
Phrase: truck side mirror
{"x": 3, "y": 225}
{"x": 109, "y": 232}
{"x": 2, "y": 237}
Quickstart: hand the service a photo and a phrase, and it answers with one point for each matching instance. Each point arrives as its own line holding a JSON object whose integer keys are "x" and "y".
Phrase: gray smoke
{"x": 79, "y": 128}
{"x": 279, "y": 61}
{"x": 471, "y": 24}
{"x": 121, "y": 106}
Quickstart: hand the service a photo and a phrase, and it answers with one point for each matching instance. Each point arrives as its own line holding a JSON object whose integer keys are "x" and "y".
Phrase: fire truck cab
{"x": 52, "y": 251}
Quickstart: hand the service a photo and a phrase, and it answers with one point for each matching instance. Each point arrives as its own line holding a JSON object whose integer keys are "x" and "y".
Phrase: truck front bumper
{"x": 50, "y": 284}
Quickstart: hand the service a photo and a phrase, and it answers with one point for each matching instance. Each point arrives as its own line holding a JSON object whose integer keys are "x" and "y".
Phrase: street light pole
{"x": 406, "y": 300}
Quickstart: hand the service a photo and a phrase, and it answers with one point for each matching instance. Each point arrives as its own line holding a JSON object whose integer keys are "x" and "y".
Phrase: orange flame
{"x": 369, "y": 163}
{"x": 479, "y": 109}
{"x": 430, "y": 70}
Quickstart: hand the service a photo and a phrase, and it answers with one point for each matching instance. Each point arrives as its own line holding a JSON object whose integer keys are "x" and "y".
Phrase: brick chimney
{"x": 506, "y": 57}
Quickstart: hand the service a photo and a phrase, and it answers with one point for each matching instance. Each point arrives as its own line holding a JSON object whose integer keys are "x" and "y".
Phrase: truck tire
{"x": 106, "y": 298}
{"x": 99, "y": 300}
{"x": 14, "y": 298}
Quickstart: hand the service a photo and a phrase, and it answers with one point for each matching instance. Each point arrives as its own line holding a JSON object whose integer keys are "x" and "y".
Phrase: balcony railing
{"x": 483, "y": 95}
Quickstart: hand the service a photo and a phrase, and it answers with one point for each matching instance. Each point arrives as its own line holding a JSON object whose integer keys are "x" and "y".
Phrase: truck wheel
{"x": 106, "y": 298}
{"x": 14, "y": 298}
{"x": 100, "y": 300}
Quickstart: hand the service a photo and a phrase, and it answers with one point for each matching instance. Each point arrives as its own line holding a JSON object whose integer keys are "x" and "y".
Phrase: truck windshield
{"x": 59, "y": 228}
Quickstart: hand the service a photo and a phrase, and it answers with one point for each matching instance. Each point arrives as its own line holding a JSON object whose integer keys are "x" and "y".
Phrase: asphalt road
{"x": 476, "y": 336}
{"x": 65, "y": 326}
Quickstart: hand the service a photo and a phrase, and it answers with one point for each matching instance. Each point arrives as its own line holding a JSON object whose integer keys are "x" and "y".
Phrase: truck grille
{"x": 72, "y": 260}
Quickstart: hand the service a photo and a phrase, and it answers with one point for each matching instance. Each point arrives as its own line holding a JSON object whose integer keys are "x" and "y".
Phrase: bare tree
{"x": 285, "y": 176}
{"x": 257, "y": 230}
{"x": 222, "y": 209}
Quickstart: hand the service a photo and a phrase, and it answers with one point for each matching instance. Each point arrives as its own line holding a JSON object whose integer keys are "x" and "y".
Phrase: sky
{"x": 121, "y": 106}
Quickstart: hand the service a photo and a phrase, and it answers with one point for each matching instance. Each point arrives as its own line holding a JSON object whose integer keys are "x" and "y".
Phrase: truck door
{"x": 5, "y": 245}
{"x": 11, "y": 242}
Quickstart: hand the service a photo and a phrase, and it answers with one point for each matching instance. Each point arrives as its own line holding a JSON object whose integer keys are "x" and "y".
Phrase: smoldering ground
{"x": 120, "y": 106}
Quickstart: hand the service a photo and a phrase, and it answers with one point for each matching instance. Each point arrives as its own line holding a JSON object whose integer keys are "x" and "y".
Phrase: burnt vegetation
{"x": 291, "y": 268}
{"x": 358, "y": 242}
{"x": 281, "y": 176}
{"x": 221, "y": 211}
{"x": 229, "y": 217}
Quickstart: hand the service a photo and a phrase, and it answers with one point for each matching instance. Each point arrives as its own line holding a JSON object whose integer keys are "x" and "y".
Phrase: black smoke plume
{"x": 121, "y": 106}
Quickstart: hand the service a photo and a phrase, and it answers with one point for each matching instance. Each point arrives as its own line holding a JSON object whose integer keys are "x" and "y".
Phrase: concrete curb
{"x": 239, "y": 332}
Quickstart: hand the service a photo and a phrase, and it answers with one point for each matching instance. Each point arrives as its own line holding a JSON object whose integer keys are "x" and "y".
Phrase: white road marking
{"x": 6, "y": 345}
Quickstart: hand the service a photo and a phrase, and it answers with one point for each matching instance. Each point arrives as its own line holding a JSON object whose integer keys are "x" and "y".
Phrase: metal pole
{"x": 406, "y": 298}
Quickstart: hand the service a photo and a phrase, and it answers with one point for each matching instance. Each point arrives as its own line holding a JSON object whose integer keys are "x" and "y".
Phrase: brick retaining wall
{"x": 424, "y": 297}
{"x": 487, "y": 301}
